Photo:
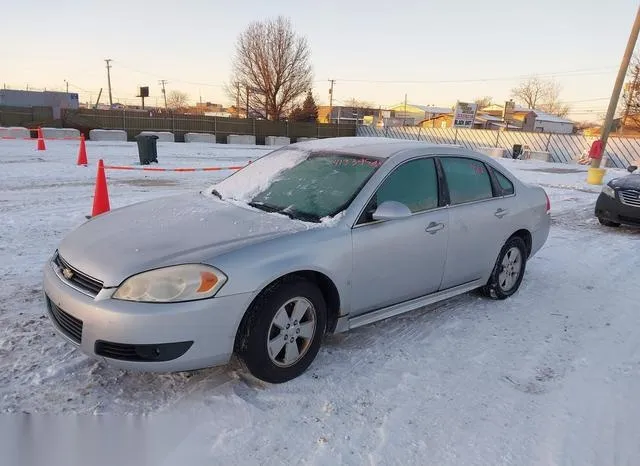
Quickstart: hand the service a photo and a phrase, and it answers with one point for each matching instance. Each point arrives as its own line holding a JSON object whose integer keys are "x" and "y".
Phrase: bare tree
{"x": 630, "y": 102}
{"x": 483, "y": 102}
{"x": 542, "y": 94}
{"x": 177, "y": 100}
{"x": 271, "y": 68}
{"x": 356, "y": 103}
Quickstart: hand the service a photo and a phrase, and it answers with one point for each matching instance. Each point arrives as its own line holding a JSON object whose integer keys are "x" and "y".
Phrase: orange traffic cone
{"x": 101, "y": 194}
{"x": 82, "y": 152}
{"x": 41, "y": 145}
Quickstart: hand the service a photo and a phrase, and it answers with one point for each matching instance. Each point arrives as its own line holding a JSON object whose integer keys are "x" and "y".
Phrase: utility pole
{"x": 332, "y": 81}
{"x": 163, "y": 82}
{"x": 404, "y": 120}
{"x": 67, "y": 83}
{"x": 108, "y": 61}
{"x": 615, "y": 95}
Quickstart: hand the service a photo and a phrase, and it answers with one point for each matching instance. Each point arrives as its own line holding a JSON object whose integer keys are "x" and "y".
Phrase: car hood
{"x": 167, "y": 231}
{"x": 626, "y": 182}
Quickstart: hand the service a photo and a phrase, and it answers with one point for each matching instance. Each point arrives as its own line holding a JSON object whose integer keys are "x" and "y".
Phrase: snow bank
{"x": 241, "y": 139}
{"x": 163, "y": 136}
{"x": 305, "y": 139}
{"x": 60, "y": 133}
{"x": 14, "y": 132}
{"x": 277, "y": 141}
{"x": 107, "y": 135}
{"x": 200, "y": 137}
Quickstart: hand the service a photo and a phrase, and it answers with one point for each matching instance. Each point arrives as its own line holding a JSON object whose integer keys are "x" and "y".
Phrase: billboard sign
{"x": 464, "y": 115}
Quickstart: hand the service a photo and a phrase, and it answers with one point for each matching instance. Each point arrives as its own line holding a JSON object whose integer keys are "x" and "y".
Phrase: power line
{"x": 172, "y": 79}
{"x": 580, "y": 72}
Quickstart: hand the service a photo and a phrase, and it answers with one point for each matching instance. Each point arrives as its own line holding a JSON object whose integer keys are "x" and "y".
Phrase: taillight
{"x": 548, "y": 202}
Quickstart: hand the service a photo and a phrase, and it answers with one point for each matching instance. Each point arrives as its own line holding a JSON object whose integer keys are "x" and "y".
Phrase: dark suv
{"x": 619, "y": 201}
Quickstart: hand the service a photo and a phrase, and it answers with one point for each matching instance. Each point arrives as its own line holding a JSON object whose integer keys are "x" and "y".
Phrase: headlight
{"x": 609, "y": 191}
{"x": 172, "y": 284}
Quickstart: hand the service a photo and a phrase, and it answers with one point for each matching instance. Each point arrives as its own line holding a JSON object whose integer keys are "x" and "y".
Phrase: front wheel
{"x": 283, "y": 331}
{"x": 508, "y": 271}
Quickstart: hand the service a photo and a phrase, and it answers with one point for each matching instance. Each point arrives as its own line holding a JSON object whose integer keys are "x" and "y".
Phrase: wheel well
{"x": 526, "y": 237}
{"x": 324, "y": 283}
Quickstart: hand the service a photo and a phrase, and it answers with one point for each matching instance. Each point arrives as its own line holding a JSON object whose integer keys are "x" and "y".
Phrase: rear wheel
{"x": 607, "y": 223}
{"x": 283, "y": 331}
{"x": 508, "y": 271}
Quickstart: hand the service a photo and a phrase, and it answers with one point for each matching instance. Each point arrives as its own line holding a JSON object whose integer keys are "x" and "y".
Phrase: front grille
{"x": 69, "y": 325}
{"x": 630, "y": 197}
{"x": 81, "y": 280}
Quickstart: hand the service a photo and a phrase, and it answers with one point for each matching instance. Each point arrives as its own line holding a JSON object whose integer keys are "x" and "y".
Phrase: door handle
{"x": 501, "y": 213}
{"x": 434, "y": 228}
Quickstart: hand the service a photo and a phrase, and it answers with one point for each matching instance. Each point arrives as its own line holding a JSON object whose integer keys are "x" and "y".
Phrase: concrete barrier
{"x": 305, "y": 139}
{"x": 107, "y": 135}
{"x": 497, "y": 152}
{"x": 163, "y": 136}
{"x": 60, "y": 133}
{"x": 538, "y": 155}
{"x": 200, "y": 137}
{"x": 241, "y": 139}
{"x": 15, "y": 132}
{"x": 277, "y": 141}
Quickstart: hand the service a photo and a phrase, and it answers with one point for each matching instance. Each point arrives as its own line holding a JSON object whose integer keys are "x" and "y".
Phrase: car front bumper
{"x": 613, "y": 210}
{"x": 145, "y": 336}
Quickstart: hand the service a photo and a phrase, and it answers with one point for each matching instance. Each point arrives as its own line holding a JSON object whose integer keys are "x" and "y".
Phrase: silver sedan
{"x": 314, "y": 238}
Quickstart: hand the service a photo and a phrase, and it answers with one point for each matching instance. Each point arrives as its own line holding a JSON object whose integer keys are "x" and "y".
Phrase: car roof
{"x": 366, "y": 146}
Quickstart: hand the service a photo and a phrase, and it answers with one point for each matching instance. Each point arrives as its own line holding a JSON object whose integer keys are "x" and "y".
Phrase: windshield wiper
{"x": 263, "y": 206}
{"x": 216, "y": 193}
{"x": 291, "y": 213}
{"x": 298, "y": 215}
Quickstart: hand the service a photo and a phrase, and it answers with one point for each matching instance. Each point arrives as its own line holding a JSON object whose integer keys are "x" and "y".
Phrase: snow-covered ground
{"x": 549, "y": 376}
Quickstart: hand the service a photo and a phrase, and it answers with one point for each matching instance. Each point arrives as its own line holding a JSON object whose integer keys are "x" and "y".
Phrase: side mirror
{"x": 632, "y": 168}
{"x": 391, "y": 210}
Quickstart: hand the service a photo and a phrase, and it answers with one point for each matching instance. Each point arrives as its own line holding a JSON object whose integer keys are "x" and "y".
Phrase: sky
{"x": 435, "y": 52}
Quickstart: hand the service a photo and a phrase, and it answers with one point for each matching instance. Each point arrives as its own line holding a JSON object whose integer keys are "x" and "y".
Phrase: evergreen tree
{"x": 308, "y": 112}
{"x": 309, "y": 108}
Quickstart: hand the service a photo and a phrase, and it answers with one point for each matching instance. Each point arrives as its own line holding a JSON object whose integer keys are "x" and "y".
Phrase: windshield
{"x": 302, "y": 185}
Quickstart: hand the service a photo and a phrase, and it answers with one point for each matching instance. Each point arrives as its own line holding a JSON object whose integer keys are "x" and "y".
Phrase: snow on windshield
{"x": 256, "y": 177}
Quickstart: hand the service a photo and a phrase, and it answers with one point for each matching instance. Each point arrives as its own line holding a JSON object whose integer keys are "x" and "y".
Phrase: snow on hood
{"x": 167, "y": 231}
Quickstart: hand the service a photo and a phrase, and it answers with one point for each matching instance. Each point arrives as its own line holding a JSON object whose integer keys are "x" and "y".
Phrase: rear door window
{"x": 468, "y": 180}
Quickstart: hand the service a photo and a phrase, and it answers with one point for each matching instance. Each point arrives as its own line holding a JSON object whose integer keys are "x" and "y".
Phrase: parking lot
{"x": 552, "y": 372}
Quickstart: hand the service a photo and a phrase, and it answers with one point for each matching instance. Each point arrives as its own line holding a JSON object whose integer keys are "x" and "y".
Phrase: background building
{"x": 55, "y": 100}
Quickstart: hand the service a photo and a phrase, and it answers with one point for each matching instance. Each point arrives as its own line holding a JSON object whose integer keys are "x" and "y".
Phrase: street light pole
{"x": 617, "y": 88}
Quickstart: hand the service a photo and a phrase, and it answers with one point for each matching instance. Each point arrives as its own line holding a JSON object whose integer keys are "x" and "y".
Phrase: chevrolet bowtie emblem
{"x": 68, "y": 273}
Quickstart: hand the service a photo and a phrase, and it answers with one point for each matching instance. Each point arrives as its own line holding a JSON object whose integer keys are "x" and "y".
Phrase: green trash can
{"x": 147, "y": 148}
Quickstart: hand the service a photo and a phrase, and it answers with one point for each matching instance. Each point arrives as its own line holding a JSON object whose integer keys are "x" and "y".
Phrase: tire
{"x": 499, "y": 285}
{"x": 608, "y": 223}
{"x": 267, "y": 320}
